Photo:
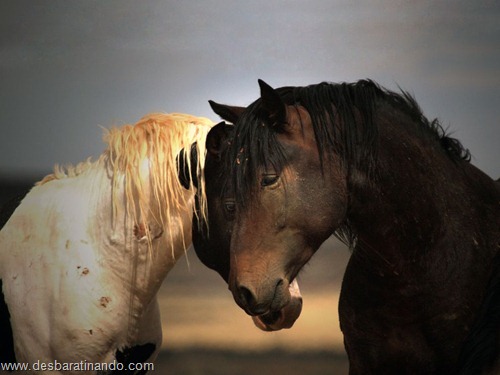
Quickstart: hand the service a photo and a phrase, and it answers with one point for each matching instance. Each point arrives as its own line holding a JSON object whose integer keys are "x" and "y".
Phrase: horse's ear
{"x": 227, "y": 112}
{"x": 217, "y": 138}
{"x": 273, "y": 105}
{"x": 185, "y": 171}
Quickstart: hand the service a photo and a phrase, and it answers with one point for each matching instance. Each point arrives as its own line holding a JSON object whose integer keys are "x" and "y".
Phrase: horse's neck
{"x": 421, "y": 206}
{"x": 136, "y": 249}
{"x": 427, "y": 233}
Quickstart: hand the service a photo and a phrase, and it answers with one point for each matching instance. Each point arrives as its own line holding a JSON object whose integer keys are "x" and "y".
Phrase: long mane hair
{"x": 146, "y": 155}
{"x": 343, "y": 118}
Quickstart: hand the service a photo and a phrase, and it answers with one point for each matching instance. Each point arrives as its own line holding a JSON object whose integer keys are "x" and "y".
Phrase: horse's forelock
{"x": 254, "y": 146}
{"x": 342, "y": 117}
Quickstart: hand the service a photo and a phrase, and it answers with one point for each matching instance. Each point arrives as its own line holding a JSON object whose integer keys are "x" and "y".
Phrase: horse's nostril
{"x": 248, "y": 301}
{"x": 258, "y": 305}
{"x": 246, "y": 296}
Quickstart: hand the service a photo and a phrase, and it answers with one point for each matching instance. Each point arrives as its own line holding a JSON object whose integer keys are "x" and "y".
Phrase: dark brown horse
{"x": 421, "y": 291}
{"x": 212, "y": 245}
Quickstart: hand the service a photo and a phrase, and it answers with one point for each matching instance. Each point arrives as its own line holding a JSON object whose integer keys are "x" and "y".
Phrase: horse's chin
{"x": 284, "y": 318}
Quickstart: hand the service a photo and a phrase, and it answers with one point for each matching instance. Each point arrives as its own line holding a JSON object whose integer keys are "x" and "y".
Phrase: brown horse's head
{"x": 212, "y": 242}
{"x": 283, "y": 206}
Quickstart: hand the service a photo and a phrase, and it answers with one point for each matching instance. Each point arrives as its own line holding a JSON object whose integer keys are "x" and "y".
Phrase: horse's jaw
{"x": 284, "y": 318}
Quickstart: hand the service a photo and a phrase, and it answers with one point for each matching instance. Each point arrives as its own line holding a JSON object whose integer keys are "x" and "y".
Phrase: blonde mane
{"x": 154, "y": 144}
{"x": 146, "y": 155}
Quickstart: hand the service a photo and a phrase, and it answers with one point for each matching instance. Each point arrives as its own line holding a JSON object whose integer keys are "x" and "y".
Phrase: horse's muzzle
{"x": 285, "y": 317}
{"x": 261, "y": 298}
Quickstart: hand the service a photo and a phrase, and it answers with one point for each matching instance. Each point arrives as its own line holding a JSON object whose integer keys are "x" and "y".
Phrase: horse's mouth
{"x": 283, "y": 318}
{"x": 269, "y": 321}
{"x": 271, "y": 317}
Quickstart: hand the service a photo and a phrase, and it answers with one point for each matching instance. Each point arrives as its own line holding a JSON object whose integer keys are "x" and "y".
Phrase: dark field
{"x": 271, "y": 362}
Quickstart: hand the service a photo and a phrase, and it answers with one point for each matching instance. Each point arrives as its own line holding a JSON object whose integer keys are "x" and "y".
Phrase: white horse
{"x": 84, "y": 254}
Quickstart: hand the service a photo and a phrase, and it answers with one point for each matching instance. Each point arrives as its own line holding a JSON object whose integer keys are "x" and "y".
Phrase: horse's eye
{"x": 229, "y": 205}
{"x": 269, "y": 180}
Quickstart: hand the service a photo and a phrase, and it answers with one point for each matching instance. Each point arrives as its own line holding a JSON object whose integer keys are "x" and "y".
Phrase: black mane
{"x": 352, "y": 105}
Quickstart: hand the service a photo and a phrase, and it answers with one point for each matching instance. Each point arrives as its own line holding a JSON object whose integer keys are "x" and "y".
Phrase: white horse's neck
{"x": 134, "y": 246}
